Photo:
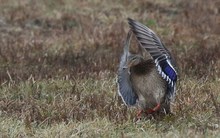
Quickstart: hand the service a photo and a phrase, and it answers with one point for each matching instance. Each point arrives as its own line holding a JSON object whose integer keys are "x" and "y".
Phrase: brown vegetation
{"x": 59, "y": 59}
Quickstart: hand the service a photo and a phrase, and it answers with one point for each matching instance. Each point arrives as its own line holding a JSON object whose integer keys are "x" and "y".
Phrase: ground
{"x": 59, "y": 60}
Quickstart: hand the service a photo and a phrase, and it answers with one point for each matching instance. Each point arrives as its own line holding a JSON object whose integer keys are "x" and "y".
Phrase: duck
{"x": 147, "y": 82}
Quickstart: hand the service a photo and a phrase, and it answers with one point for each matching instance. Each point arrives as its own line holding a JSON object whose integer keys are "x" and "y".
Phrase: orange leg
{"x": 150, "y": 111}
{"x": 139, "y": 113}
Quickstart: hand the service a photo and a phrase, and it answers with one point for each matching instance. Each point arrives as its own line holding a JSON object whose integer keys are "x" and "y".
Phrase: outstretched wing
{"x": 125, "y": 88}
{"x": 162, "y": 58}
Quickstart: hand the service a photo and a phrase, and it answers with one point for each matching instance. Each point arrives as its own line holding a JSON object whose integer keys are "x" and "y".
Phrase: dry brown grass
{"x": 58, "y": 62}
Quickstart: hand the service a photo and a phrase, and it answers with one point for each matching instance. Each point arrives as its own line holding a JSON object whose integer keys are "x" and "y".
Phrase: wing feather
{"x": 125, "y": 88}
{"x": 162, "y": 58}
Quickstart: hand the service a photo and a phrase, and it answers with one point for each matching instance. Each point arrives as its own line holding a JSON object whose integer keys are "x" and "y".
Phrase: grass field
{"x": 59, "y": 60}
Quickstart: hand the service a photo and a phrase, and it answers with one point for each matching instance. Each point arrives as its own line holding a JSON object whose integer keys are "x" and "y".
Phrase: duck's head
{"x": 133, "y": 60}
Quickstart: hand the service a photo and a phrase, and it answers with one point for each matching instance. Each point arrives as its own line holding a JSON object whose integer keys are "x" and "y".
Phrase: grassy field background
{"x": 59, "y": 59}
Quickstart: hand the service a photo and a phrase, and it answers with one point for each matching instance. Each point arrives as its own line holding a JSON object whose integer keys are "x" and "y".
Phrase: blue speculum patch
{"x": 168, "y": 70}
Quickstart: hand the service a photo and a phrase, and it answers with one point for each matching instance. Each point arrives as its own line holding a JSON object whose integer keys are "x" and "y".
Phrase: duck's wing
{"x": 162, "y": 58}
{"x": 125, "y": 88}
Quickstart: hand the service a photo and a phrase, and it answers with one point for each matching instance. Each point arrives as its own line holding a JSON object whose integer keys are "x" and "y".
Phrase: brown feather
{"x": 149, "y": 85}
{"x": 143, "y": 68}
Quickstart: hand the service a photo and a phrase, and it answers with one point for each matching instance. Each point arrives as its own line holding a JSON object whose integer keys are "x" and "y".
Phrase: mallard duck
{"x": 149, "y": 83}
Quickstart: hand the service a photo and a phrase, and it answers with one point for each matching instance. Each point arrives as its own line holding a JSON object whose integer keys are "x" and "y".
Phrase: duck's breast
{"x": 148, "y": 84}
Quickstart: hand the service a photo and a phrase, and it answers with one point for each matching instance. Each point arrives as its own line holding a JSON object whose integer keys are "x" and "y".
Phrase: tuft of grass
{"x": 92, "y": 106}
{"x": 151, "y": 23}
